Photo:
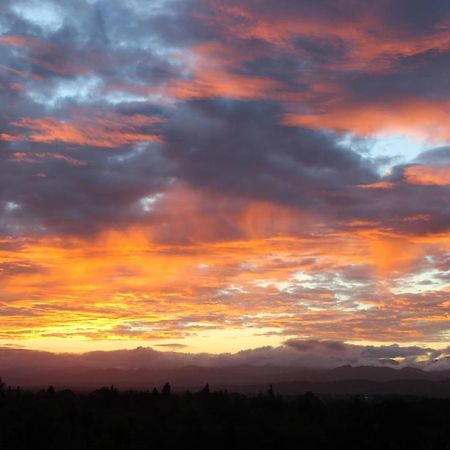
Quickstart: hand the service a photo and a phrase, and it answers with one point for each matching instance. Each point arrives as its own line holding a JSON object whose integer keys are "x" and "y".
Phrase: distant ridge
{"x": 245, "y": 378}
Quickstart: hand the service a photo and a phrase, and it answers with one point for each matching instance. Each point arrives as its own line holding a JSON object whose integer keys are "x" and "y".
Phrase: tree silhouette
{"x": 205, "y": 391}
{"x": 166, "y": 390}
{"x": 51, "y": 390}
{"x": 136, "y": 420}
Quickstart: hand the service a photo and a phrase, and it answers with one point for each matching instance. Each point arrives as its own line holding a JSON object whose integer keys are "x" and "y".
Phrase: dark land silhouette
{"x": 245, "y": 379}
{"x": 159, "y": 418}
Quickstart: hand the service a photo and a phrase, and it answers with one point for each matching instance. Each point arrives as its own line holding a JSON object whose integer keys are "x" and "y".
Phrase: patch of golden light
{"x": 232, "y": 340}
{"x": 128, "y": 289}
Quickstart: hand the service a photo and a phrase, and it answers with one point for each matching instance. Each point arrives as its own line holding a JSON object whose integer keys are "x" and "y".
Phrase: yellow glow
{"x": 121, "y": 289}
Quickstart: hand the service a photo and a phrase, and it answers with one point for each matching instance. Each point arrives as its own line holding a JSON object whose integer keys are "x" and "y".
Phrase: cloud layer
{"x": 174, "y": 171}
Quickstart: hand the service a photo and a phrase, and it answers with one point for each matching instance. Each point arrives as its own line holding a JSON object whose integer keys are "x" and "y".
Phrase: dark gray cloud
{"x": 236, "y": 147}
{"x": 242, "y": 148}
{"x": 440, "y": 155}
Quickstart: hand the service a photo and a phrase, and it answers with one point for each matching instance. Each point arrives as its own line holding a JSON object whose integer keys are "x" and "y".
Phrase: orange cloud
{"x": 8, "y": 137}
{"x": 213, "y": 74}
{"x": 109, "y": 130}
{"x": 393, "y": 253}
{"x": 211, "y": 84}
{"x": 281, "y": 275}
{"x": 424, "y": 119}
{"x": 35, "y": 157}
{"x": 378, "y": 185}
{"x": 366, "y": 39}
{"x": 437, "y": 175}
{"x": 36, "y": 52}
{"x": 26, "y": 42}
{"x": 213, "y": 70}
{"x": 202, "y": 261}
{"x": 370, "y": 46}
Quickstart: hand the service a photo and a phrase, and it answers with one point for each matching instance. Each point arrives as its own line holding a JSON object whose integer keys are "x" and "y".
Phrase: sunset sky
{"x": 212, "y": 176}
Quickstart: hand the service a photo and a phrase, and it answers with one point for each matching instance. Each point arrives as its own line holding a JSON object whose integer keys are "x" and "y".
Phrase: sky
{"x": 218, "y": 176}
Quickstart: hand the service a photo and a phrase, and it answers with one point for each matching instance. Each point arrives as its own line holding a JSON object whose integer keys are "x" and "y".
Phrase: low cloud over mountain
{"x": 309, "y": 360}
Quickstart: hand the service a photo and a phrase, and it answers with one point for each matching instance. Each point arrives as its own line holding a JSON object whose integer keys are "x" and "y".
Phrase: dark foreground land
{"x": 109, "y": 419}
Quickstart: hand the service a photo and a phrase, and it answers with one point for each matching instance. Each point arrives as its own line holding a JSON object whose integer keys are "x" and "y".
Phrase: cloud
{"x": 172, "y": 170}
{"x": 429, "y": 120}
{"x": 307, "y": 346}
{"x": 33, "y": 158}
{"x": 438, "y": 175}
{"x": 137, "y": 287}
{"x": 108, "y": 130}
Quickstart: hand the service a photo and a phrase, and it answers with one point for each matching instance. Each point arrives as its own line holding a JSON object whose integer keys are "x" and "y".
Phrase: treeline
{"x": 158, "y": 419}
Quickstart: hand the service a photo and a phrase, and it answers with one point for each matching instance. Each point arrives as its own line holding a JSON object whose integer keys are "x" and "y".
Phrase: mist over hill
{"x": 296, "y": 367}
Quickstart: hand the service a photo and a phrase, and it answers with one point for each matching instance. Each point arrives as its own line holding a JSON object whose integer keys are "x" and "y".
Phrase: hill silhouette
{"x": 242, "y": 378}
